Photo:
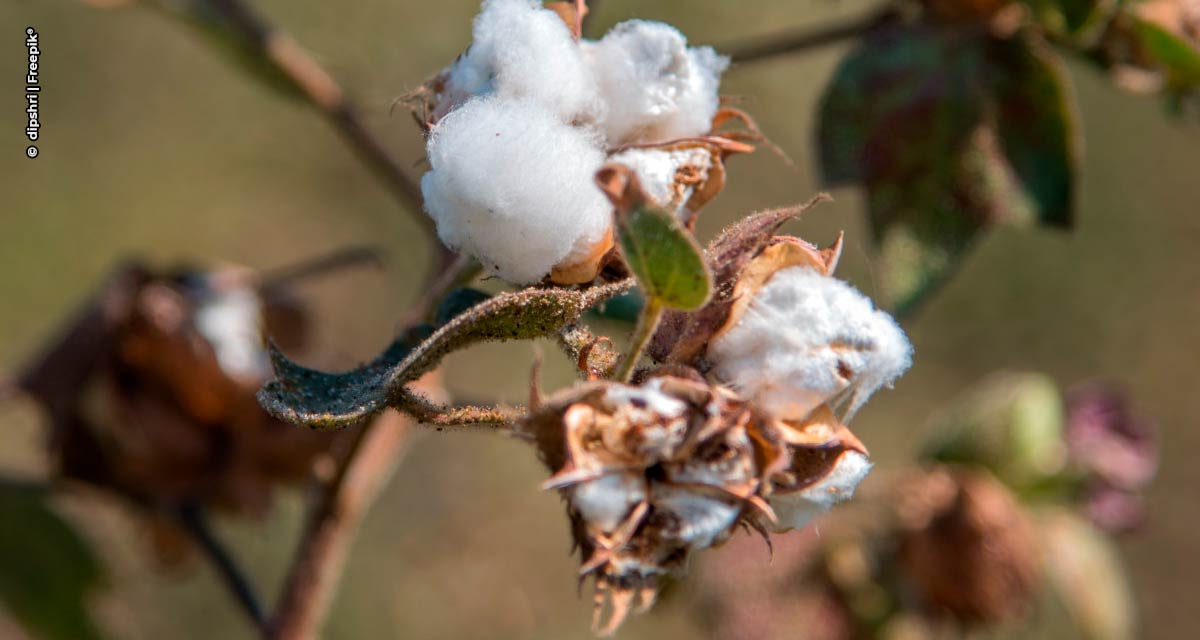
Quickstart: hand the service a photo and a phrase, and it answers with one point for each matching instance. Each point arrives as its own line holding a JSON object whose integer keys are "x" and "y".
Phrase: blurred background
{"x": 154, "y": 147}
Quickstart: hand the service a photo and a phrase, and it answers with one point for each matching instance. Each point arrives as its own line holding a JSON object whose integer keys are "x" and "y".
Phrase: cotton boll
{"x": 606, "y": 501}
{"x": 229, "y": 320}
{"x": 796, "y": 508}
{"x": 807, "y": 338}
{"x": 522, "y": 50}
{"x": 512, "y": 185}
{"x": 655, "y": 87}
{"x": 697, "y": 520}
{"x": 658, "y": 172}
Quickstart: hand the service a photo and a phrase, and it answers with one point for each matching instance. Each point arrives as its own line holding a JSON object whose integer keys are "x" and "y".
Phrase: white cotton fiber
{"x": 655, "y": 87}
{"x": 795, "y": 509}
{"x": 807, "y": 338}
{"x": 230, "y": 320}
{"x": 522, "y": 50}
{"x": 657, "y": 169}
{"x": 513, "y": 186}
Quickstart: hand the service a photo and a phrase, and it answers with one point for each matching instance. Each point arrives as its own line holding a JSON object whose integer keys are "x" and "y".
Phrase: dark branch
{"x": 191, "y": 518}
{"x": 273, "y": 281}
{"x": 323, "y": 92}
{"x": 795, "y": 41}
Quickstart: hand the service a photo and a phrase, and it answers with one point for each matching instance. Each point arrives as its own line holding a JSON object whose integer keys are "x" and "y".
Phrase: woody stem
{"x": 278, "y": 50}
{"x": 788, "y": 42}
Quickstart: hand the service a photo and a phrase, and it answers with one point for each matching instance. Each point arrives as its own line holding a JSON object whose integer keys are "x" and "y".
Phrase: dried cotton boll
{"x": 512, "y": 185}
{"x": 230, "y": 320}
{"x": 807, "y": 339}
{"x": 655, "y": 87}
{"x": 522, "y": 50}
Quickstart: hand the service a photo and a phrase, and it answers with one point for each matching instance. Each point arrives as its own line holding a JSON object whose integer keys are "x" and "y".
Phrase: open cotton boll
{"x": 795, "y": 509}
{"x": 230, "y": 321}
{"x": 513, "y": 186}
{"x": 658, "y": 172}
{"x": 655, "y": 87}
{"x": 522, "y": 50}
{"x": 807, "y": 338}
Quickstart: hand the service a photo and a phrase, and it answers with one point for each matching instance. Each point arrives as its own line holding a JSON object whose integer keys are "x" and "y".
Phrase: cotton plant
{"x": 580, "y": 173}
{"x": 520, "y": 123}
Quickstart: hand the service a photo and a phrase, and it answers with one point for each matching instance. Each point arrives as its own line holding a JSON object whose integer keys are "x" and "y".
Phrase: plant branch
{"x": 273, "y": 281}
{"x": 430, "y": 413}
{"x": 647, "y": 324}
{"x": 795, "y": 41}
{"x": 284, "y": 54}
{"x": 332, "y": 525}
{"x": 191, "y": 518}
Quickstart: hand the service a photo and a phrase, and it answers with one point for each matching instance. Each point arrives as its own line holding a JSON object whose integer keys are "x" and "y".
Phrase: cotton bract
{"x": 807, "y": 339}
{"x": 513, "y": 186}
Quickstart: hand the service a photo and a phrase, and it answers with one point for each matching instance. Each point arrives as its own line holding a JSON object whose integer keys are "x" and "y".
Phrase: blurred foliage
{"x": 950, "y": 130}
{"x": 961, "y": 117}
{"x": 959, "y": 544}
{"x": 46, "y": 569}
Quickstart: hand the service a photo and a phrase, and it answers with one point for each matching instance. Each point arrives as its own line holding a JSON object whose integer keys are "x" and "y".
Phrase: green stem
{"x": 647, "y": 323}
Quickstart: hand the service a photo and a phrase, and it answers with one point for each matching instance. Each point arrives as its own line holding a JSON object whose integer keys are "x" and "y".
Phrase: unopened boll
{"x": 522, "y": 50}
{"x": 655, "y": 88}
{"x": 512, "y": 185}
{"x": 807, "y": 339}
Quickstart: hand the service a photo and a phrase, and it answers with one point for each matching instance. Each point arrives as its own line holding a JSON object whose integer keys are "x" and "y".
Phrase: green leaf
{"x": 665, "y": 258}
{"x": 333, "y": 400}
{"x": 1037, "y": 126}
{"x": 898, "y": 104}
{"x": 46, "y": 569}
{"x": 949, "y": 131}
{"x": 1178, "y": 57}
{"x": 1080, "y": 20}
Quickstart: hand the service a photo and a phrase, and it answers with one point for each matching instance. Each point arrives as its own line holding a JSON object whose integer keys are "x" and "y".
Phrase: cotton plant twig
{"x": 652, "y": 314}
{"x": 323, "y": 92}
{"x": 772, "y": 45}
{"x": 193, "y": 520}
{"x": 434, "y": 415}
{"x": 334, "y": 520}
{"x": 274, "y": 281}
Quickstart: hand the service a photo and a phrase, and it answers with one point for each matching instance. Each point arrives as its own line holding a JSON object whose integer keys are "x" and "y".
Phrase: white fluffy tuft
{"x": 807, "y": 339}
{"x": 512, "y": 185}
{"x": 230, "y": 321}
{"x": 522, "y": 50}
{"x": 795, "y": 509}
{"x": 655, "y": 87}
{"x": 657, "y": 170}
